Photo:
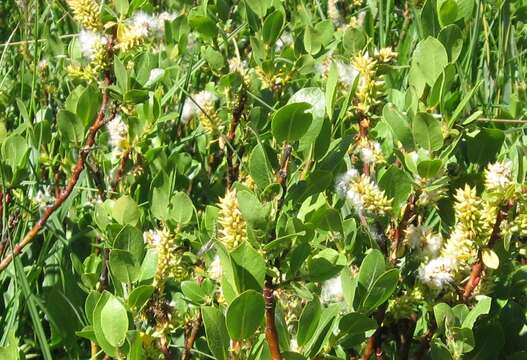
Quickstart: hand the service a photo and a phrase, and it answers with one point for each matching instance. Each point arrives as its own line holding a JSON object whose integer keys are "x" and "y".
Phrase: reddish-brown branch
{"x": 97, "y": 179}
{"x": 120, "y": 170}
{"x": 478, "y": 267}
{"x": 374, "y": 345}
{"x": 165, "y": 350}
{"x": 271, "y": 334}
{"x": 398, "y": 233}
{"x": 363, "y": 134}
{"x": 284, "y": 164}
{"x": 99, "y": 122}
{"x": 103, "y": 278}
{"x": 196, "y": 325}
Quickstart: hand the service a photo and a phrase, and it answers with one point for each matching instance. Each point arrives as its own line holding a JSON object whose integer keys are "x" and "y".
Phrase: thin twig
{"x": 232, "y": 171}
{"x": 97, "y": 179}
{"x": 399, "y": 231}
{"x": 119, "y": 172}
{"x": 374, "y": 345}
{"x": 196, "y": 325}
{"x": 271, "y": 334}
{"x": 99, "y": 122}
{"x": 478, "y": 267}
{"x": 364, "y": 124}
{"x": 103, "y": 278}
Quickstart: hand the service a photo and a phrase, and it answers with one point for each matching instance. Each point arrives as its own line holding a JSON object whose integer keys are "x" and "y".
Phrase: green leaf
{"x": 120, "y": 74}
{"x": 114, "y": 321}
{"x": 463, "y": 340}
{"x": 160, "y": 203}
{"x": 291, "y": 122}
{"x": 371, "y": 268}
{"x": 10, "y": 351}
{"x": 429, "y": 59}
{"x": 70, "y": 127}
{"x": 121, "y": 6}
{"x": 89, "y": 305}
{"x": 308, "y": 321}
{"x": 203, "y": 24}
{"x": 356, "y": 324}
{"x": 325, "y": 264}
{"x": 249, "y": 266}
{"x": 245, "y": 315}
{"x": 198, "y": 293}
{"x": 149, "y": 265}
{"x": 272, "y": 27}
{"x": 452, "y": 39}
{"x": 14, "y": 151}
{"x": 439, "y": 351}
{"x": 182, "y": 208}
{"x": 260, "y": 168}
{"x": 88, "y": 105}
{"x": 399, "y": 125}
{"x": 125, "y": 211}
{"x": 259, "y": 7}
{"x": 214, "y": 58}
{"x": 139, "y": 297}
{"x": 353, "y": 40}
{"x": 323, "y": 333}
{"x": 124, "y": 266}
{"x": 381, "y": 290}
{"x": 443, "y": 315}
{"x": 485, "y": 146}
{"x": 98, "y": 323}
{"x": 252, "y": 210}
{"x": 331, "y": 89}
{"x": 216, "y": 332}
{"x": 397, "y": 185}
{"x": 327, "y": 219}
{"x": 427, "y": 131}
{"x": 131, "y": 239}
{"x": 481, "y": 308}
{"x": 312, "y": 40}
{"x": 429, "y": 168}
{"x": 315, "y": 97}
{"x": 447, "y": 11}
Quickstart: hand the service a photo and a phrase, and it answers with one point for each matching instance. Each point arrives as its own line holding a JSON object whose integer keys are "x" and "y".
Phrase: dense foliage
{"x": 263, "y": 179}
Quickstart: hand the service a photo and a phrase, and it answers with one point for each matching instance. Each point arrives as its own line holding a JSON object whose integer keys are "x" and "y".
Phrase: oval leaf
{"x": 245, "y": 314}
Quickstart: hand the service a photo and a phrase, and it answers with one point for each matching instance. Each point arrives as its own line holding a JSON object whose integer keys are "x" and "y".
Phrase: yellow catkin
{"x": 170, "y": 263}
{"x": 475, "y": 217}
{"x": 368, "y": 89}
{"x": 232, "y": 228}
{"x": 461, "y": 249}
{"x": 209, "y": 120}
{"x": 87, "y": 13}
{"x": 99, "y": 61}
{"x": 128, "y": 38}
{"x": 373, "y": 199}
{"x": 86, "y": 73}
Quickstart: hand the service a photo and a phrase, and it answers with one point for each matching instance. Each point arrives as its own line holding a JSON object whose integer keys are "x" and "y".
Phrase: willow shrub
{"x": 261, "y": 179}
